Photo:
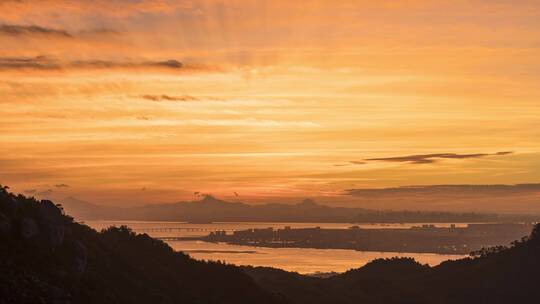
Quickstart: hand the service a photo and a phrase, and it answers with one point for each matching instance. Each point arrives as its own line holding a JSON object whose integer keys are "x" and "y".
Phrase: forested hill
{"x": 45, "y": 257}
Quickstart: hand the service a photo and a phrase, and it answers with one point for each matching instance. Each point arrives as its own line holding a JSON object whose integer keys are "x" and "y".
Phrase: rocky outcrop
{"x": 52, "y": 223}
{"x": 80, "y": 257}
{"x": 54, "y": 234}
{"x": 5, "y": 226}
{"x": 41, "y": 228}
{"x": 48, "y": 211}
{"x": 29, "y": 228}
{"x": 41, "y": 221}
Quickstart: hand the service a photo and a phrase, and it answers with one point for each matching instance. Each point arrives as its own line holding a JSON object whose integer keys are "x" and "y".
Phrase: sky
{"x": 126, "y": 102}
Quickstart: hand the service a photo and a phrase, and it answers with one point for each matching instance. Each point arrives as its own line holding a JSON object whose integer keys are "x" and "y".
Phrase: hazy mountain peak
{"x": 308, "y": 202}
{"x": 209, "y": 199}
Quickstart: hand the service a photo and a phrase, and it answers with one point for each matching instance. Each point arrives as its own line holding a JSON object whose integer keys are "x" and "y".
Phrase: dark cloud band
{"x": 169, "y": 98}
{"x": 46, "y": 63}
{"x": 28, "y": 30}
{"x": 474, "y": 190}
{"x": 431, "y": 158}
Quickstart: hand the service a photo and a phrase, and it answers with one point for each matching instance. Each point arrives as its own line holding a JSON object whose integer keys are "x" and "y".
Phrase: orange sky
{"x": 125, "y": 102}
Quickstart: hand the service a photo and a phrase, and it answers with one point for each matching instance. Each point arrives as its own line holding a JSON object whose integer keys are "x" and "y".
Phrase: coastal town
{"x": 426, "y": 238}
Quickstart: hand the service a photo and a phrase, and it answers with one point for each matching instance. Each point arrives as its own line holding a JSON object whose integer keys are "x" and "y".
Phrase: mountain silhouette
{"x": 211, "y": 209}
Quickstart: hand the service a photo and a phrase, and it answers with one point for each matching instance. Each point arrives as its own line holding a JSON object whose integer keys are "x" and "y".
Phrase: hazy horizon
{"x": 501, "y": 199}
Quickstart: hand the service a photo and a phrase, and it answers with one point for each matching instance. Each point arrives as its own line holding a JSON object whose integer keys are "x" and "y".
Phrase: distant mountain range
{"x": 210, "y": 209}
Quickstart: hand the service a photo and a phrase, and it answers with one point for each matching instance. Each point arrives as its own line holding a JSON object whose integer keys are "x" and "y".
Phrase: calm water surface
{"x": 302, "y": 260}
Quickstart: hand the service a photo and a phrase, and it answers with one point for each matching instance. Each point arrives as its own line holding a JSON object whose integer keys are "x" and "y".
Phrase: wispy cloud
{"x": 30, "y": 191}
{"x": 36, "y": 63}
{"x": 169, "y": 98}
{"x": 98, "y": 31}
{"x": 495, "y": 189}
{"x": 351, "y": 163}
{"x": 29, "y": 30}
{"x": 37, "y": 31}
{"x": 357, "y": 162}
{"x": 169, "y": 64}
{"x": 61, "y": 186}
{"x": 432, "y": 158}
{"x": 45, "y": 192}
{"x": 47, "y": 63}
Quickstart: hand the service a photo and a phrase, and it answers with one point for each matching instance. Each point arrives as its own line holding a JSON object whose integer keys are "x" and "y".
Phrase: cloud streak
{"x": 169, "y": 98}
{"x": 457, "y": 190}
{"x": 45, "y": 192}
{"x": 432, "y": 158}
{"x": 351, "y": 163}
{"x": 47, "y": 63}
{"x": 37, "y": 31}
{"x": 32, "y": 30}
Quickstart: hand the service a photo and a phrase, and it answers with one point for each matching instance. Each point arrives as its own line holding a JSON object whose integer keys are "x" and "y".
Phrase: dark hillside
{"x": 47, "y": 258}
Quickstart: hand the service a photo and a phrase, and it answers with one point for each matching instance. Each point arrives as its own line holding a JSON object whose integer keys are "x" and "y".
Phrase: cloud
{"x": 29, "y": 30}
{"x": 47, "y": 63}
{"x": 351, "y": 163}
{"x": 354, "y": 162}
{"x": 36, "y": 31}
{"x": 30, "y": 191}
{"x": 432, "y": 158}
{"x": 169, "y": 98}
{"x": 46, "y": 192}
{"x": 444, "y": 190}
{"x": 98, "y": 31}
{"x": 143, "y": 117}
{"x": 61, "y": 186}
{"x": 35, "y": 63}
{"x": 106, "y": 64}
{"x": 17, "y": 9}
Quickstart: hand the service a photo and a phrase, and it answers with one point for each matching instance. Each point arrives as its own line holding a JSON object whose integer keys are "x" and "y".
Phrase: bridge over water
{"x": 184, "y": 229}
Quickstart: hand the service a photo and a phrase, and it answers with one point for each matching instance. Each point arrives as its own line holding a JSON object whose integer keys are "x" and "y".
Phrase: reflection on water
{"x": 302, "y": 260}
